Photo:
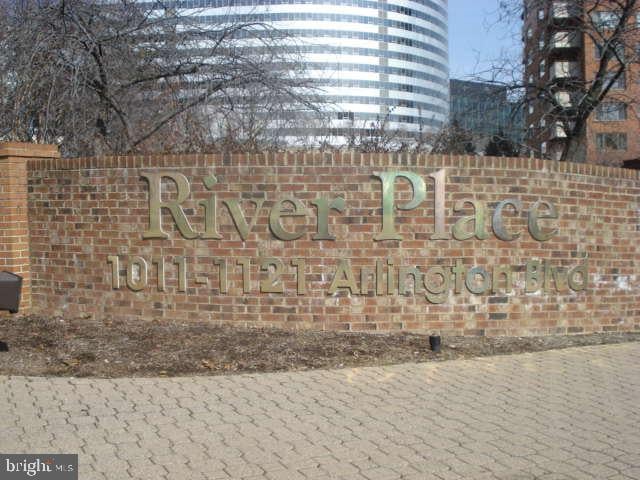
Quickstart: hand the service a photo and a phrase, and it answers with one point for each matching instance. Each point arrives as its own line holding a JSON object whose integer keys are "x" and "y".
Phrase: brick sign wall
{"x": 475, "y": 246}
{"x": 14, "y": 221}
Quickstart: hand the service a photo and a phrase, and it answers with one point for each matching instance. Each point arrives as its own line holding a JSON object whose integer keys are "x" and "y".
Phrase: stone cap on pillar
{"x": 28, "y": 150}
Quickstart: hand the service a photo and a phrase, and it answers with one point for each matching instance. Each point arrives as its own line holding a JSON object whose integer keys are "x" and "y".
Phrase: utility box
{"x": 10, "y": 290}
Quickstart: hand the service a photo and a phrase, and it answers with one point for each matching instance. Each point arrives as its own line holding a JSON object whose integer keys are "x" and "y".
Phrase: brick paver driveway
{"x": 568, "y": 414}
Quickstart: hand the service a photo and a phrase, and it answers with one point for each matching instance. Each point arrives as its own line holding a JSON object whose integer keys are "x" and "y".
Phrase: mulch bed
{"x": 83, "y": 348}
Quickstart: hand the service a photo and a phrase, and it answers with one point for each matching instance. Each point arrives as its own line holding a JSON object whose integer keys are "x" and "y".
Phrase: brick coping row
{"x": 330, "y": 159}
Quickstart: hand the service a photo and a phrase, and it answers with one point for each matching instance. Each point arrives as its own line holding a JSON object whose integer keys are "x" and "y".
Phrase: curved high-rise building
{"x": 374, "y": 61}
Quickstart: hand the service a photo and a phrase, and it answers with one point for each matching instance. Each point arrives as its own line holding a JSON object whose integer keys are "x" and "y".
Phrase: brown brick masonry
{"x": 88, "y": 219}
{"x": 14, "y": 221}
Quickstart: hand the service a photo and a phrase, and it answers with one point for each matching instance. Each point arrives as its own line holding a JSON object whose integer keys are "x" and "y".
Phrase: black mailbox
{"x": 10, "y": 289}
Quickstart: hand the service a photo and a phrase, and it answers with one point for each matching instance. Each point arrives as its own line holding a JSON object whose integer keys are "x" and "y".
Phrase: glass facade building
{"x": 373, "y": 61}
{"x": 484, "y": 110}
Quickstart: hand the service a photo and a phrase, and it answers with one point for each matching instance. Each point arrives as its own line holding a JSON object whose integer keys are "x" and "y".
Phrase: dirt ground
{"x": 77, "y": 347}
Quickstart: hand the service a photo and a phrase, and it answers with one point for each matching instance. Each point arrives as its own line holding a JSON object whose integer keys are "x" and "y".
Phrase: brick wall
{"x": 14, "y": 225}
{"x": 85, "y": 213}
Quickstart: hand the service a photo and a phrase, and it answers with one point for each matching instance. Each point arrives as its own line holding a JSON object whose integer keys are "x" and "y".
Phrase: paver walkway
{"x": 565, "y": 414}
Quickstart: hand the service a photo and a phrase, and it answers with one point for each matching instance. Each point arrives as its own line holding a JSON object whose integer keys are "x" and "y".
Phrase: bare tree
{"x": 452, "y": 139}
{"x": 123, "y": 76}
{"x": 501, "y": 146}
{"x": 375, "y": 136}
{"x": 560, "y": 92}
{"x": 260, "y": 119}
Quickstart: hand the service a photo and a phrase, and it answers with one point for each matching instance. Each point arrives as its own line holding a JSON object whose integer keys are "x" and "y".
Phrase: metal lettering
{"x": 403, "y": 275}
{"x": 583, "y": 271}
{"x": 239, "y": 219}
{"x": 498, "y": 221}
{"x": 439, "y": 179}
{"x": 459, "y": 272}
{"x": 246, "y": 273}
{"x": 460, "y": 230}
{"x": 301, "y": 280}
{"x": 210, "y": 211}
{"x": 391, "y": 281}
{"x": 222, "y": 274}
{"x": 156, "y": 205}
{"x": 436, "y": 293}
{"x": 161, "y": 274}
{"x": 139, "y": 283}
{"x": 324, "y": 206}
{"x": 388, "y": 200}
{"x": 472, "y": 277}
{"x": 182, "y": 273}
{"x": 556, "y": 274}
{"x": 344, "y": 279}
{"x": 210, "y": 219}
{"x": 365, "y": 274}
{"x": 379, "y": 277}
{"x": 114, "y": 260}
{"x": 532, "y": 276}
{"x": 534, "y": 229}
{"x": 273, "y": 282}
{"x": 277, "y": 212}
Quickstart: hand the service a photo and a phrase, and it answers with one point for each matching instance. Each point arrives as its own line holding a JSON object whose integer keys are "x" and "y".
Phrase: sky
{"x": 474, "y": 37}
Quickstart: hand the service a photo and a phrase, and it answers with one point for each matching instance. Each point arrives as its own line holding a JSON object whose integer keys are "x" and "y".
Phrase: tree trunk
{"x": 575, "y": 148}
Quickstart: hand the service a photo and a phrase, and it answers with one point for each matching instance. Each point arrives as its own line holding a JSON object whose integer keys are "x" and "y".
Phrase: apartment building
{"x": 563, "y": 45}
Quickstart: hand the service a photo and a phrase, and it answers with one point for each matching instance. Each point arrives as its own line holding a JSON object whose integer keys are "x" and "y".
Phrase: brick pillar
{"x": 14, "y": 210}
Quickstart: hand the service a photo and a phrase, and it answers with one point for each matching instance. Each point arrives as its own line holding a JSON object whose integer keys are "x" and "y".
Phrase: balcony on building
{"x": 565, "y": 40}
{"x": 564, "y": 10}
{"x": 564, "y": 14}
{"x": 566, "y": 102}
{"x": 563, "y": 99}
{"x": 564, "y": 70}
{"x": 564, "y": 45}
{"x": 557, "y": 131}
